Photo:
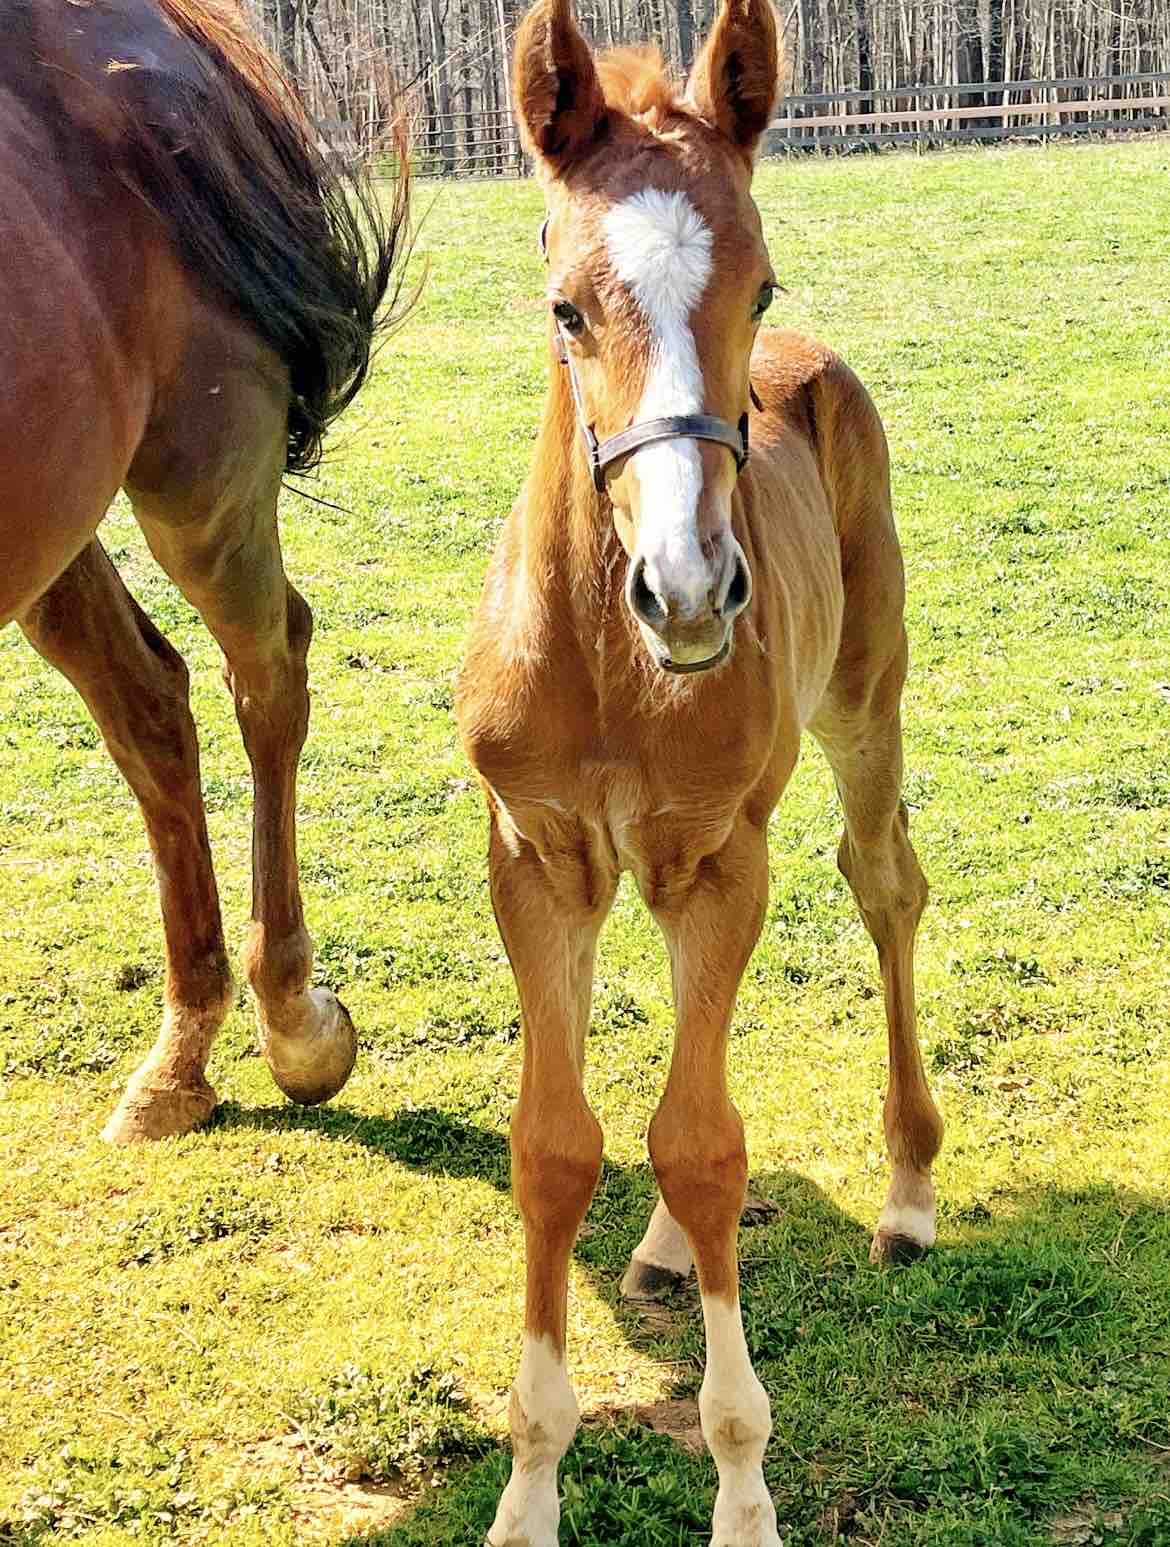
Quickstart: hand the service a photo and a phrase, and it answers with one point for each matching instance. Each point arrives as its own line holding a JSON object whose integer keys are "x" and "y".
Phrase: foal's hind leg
{"x": 860, "y": 730}
{"x": 135, "y": 685}
{"x": 215, "y": 535}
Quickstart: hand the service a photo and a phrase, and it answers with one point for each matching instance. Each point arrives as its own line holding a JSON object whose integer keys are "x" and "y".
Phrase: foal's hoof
{"x": 646, "y": 1281}
{"x": 905, "y": 1230}
{"x": 895, "y": 1250}
{"x": 149, "y": 1111}
{"x": 314, "y": 1062}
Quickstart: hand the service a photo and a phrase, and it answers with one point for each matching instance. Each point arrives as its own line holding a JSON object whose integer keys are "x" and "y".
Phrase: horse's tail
{"x": 208, "y": 130}
{"x": 307, "y": 250}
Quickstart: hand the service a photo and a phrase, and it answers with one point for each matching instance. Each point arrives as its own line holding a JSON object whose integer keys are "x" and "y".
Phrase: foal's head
{"x": 658, "y": 278}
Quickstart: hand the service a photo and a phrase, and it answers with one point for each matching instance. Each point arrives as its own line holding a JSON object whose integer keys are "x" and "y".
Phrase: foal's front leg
{"x": 697, "y": 1147}
{"x": 549, "y": 910}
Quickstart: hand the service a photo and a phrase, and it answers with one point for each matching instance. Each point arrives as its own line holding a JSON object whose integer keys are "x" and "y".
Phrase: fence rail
{"x": 941, "y": 113}
{"x": 981, "y": 88}
{"x": 485, "y": 144}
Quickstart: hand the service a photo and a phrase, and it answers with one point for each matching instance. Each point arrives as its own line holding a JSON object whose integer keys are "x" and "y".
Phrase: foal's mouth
{"x": 679, "y": 668}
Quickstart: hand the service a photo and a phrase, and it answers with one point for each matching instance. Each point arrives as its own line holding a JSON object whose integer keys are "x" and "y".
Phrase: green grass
{"x": 197, "y": 1337}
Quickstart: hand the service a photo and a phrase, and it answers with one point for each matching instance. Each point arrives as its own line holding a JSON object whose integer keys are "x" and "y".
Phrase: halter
{"x": 602, "y": 454}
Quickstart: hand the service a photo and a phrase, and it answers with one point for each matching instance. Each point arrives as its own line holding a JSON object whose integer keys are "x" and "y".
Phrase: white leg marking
{"x": 665, "y": 1243}
{"x": 660, "y": 248}
{"x": 737, "y": 1421}
{"x": 543, "y": 1416}
{"x": 904, "y": 1219}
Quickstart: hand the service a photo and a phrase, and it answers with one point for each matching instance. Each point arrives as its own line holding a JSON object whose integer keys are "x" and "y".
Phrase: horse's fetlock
{"x": 277, "y": 969}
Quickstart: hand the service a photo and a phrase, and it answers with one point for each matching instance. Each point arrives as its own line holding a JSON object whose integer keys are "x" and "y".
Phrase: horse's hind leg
{"x": 224, "y": 554}
{"x": 135, "y": 685}
{"x": 859, "y": 728}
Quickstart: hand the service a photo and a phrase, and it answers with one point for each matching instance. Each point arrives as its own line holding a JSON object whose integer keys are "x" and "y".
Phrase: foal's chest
{"x": 654, "y": 805}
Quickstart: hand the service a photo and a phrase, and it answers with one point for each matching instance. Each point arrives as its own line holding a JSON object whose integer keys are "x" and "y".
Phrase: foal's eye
{"x": 569, "y": 317}
{"x": 763, "y": 300}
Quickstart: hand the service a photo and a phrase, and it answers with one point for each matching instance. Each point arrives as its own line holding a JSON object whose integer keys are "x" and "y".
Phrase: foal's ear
{"x": 559, "y": 102}
{"x": 736, "y": 79}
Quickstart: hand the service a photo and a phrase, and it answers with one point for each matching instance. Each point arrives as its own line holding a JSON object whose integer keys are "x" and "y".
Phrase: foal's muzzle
{"x": 684, "y": 629}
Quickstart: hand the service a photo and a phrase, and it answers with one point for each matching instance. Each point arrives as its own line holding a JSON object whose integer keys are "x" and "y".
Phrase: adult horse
{"x": 188, "y": 295}
{"x": 661, "y": 619}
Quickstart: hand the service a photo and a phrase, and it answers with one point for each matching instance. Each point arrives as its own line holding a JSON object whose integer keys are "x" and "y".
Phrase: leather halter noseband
{"x": 602, "y": 454}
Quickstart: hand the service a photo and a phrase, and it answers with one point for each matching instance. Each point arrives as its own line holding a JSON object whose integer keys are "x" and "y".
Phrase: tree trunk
{"x": 442, "y": 86}
{"x": 685, "y": 24}
{"x": 864, "y": 54}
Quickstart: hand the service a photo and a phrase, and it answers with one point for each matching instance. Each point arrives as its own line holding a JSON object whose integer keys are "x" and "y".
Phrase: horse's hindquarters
{"x": 74, "y": 398}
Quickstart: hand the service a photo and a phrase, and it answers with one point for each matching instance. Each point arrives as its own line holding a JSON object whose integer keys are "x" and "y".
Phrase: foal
{"x": 659, "y": 623}
{"x": 188, "y": 294}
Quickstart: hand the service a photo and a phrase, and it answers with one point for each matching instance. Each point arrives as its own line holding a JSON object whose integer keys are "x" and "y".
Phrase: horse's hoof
{"x": 149, "y": 1111}
{"x": 893, "y": 1250}
{"x": 313, "y": 1063}
{"x": 520, "y": 1538}
{"x": 746, "y": 1524}
{"x": 646, "y": 1281}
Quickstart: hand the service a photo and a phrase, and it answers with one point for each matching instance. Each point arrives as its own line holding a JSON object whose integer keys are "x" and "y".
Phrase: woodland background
{"x": 452, "y": 55}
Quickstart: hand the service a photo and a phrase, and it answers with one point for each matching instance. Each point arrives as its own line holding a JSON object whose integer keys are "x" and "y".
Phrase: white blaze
{"x": 660, "y": 248}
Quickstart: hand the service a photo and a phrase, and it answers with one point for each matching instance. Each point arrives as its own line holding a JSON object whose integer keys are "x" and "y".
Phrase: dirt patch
{"x": 1083, "y": 1525}
{"x": 677, "y": 1418}
{"x": 758, "y": 1210}
{"x": 325, "y": 1507}
{"x": 840, "y": 1517}
{"x": 327, "y": 1511}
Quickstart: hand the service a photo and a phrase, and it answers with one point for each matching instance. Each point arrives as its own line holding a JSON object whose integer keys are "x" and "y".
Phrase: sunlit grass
{"x": 168, "y": 1311}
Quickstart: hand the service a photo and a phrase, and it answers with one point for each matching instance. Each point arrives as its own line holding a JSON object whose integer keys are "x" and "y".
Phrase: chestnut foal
{"x": 660, "y": 621}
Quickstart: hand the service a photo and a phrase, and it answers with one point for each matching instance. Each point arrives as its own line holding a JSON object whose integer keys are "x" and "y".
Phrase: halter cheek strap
{"x": 602, "y": 454}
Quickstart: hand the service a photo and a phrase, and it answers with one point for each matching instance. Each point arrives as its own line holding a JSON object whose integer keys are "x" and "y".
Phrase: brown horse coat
{"x": 188, "y": 295}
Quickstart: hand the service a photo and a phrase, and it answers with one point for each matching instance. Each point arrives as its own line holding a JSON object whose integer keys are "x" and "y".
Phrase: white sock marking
{"x": 665, "y": 1243}
{"x": 543, "y": 1420}
{"x": 737, "y": 1421}
{"x": 908, "y": 1220}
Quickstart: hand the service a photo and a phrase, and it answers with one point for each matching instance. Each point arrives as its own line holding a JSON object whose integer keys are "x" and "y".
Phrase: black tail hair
{"x": 304, "y": 249}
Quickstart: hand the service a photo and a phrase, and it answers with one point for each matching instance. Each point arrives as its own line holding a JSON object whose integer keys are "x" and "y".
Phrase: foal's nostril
{"x": 740, "y": 590}
{"x": 643, "y": 603}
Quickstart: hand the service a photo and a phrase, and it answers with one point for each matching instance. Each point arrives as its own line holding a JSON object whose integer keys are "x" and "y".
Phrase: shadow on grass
{"x": 1012, "y": 1390}
{"x": 429, "y": 1140}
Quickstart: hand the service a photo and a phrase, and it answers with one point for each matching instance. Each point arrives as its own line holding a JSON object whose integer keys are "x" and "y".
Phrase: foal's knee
{"x": 555, "y": 1165}
{"x": 885, "y": 877}
{"x": 299, "y": 623}
{"x": 266, "y": 673}
{"x": 701, "y": 1168}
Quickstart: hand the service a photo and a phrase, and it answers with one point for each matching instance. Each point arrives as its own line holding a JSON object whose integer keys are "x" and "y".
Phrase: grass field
{"x": 215, "y": 1339}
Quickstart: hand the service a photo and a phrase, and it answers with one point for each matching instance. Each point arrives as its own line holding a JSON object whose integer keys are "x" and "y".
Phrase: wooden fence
{"x": 486, "y": 144}
{"x": 976, "y": 111}
{"x": 469, "y": 145}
